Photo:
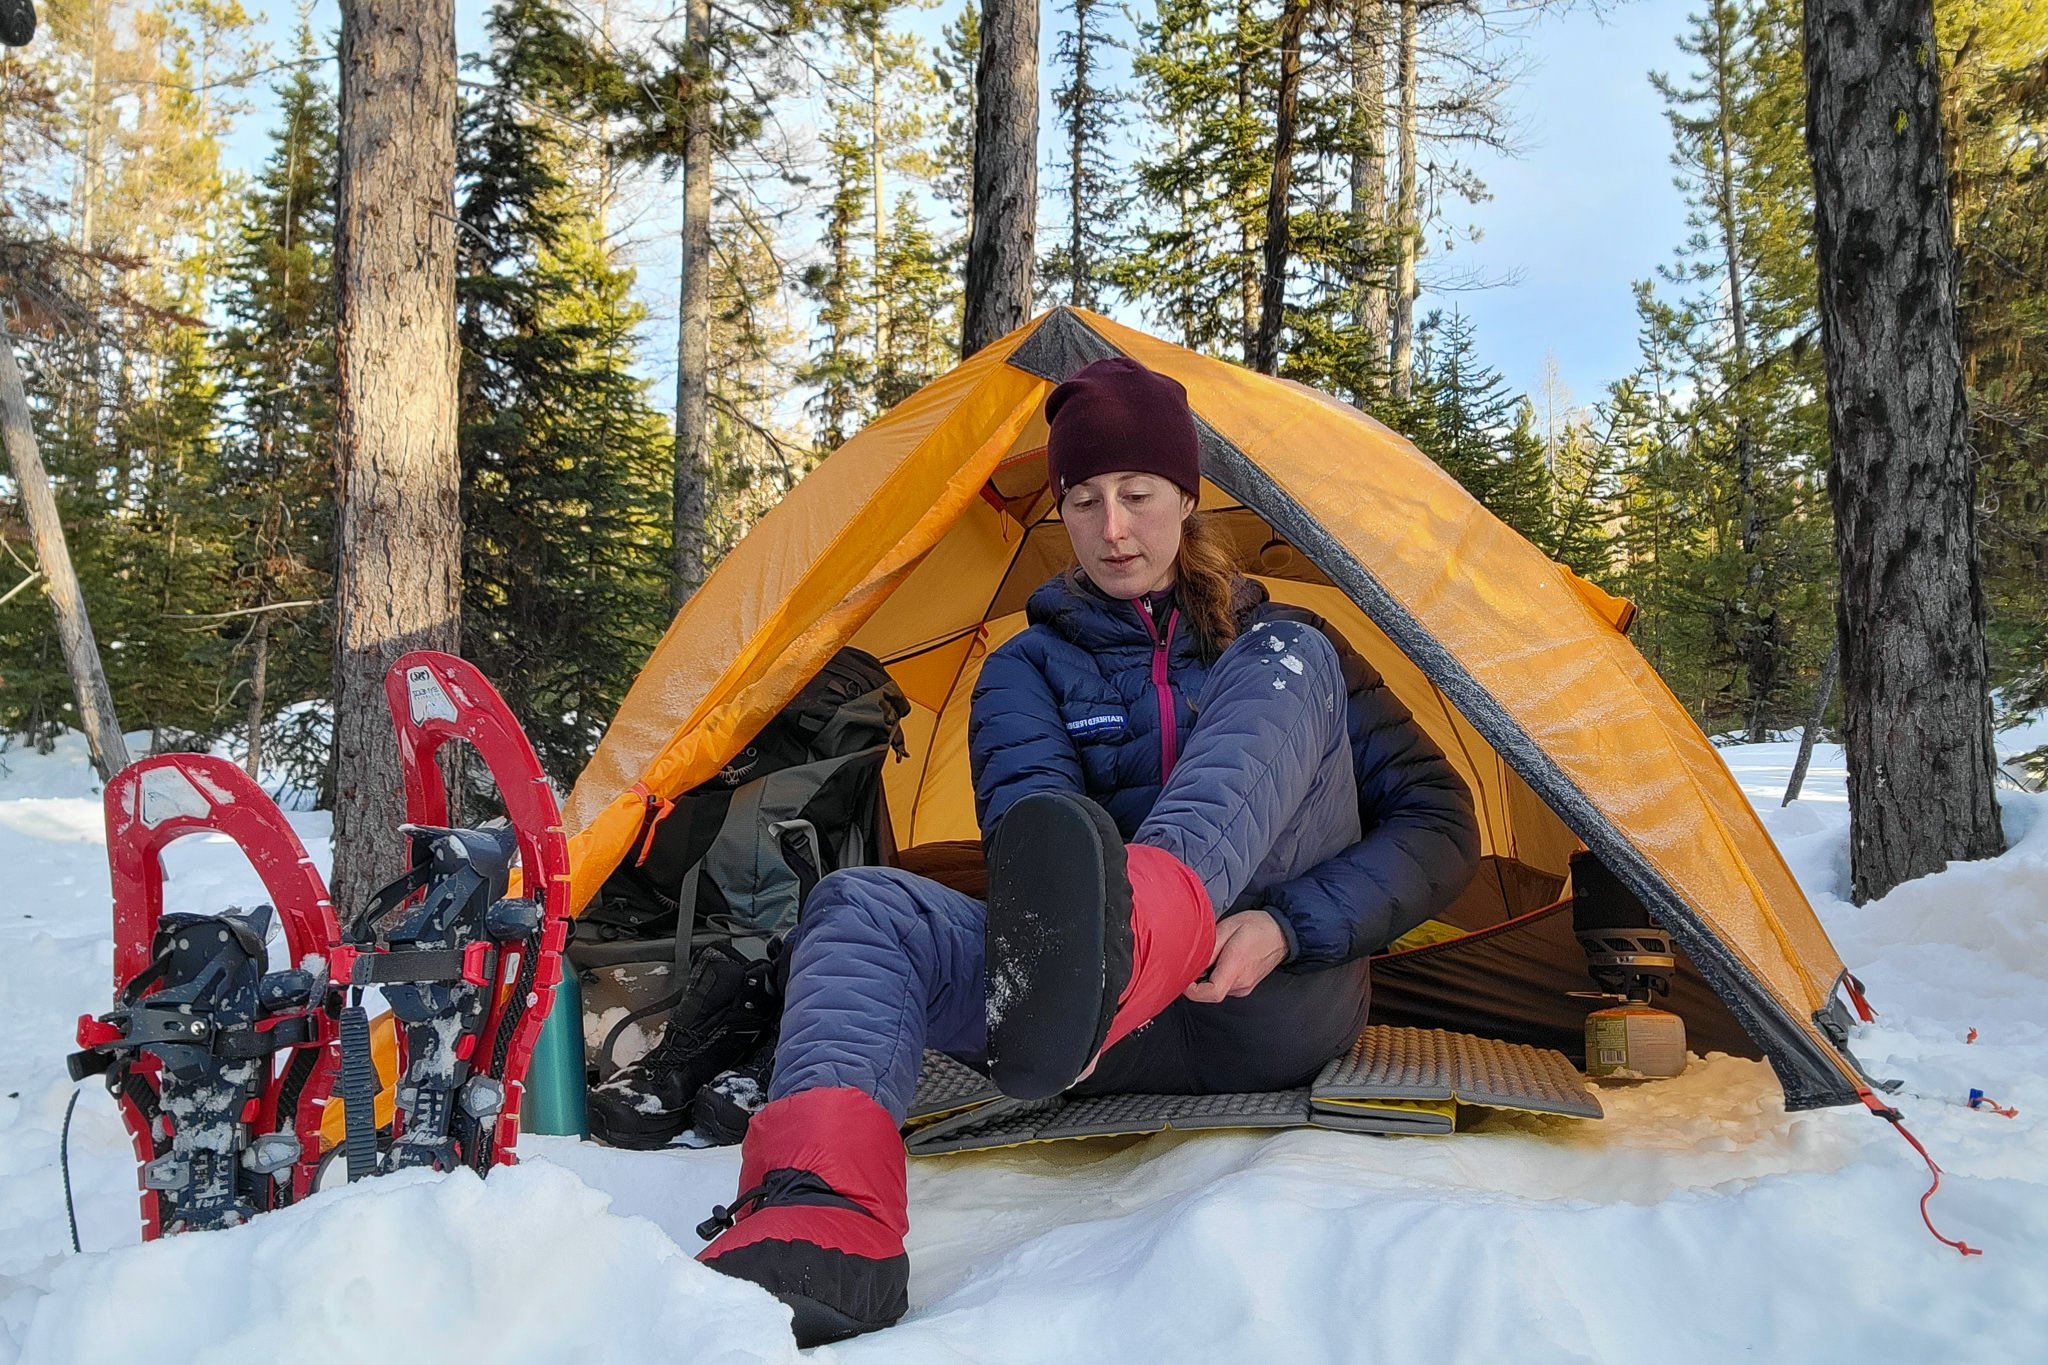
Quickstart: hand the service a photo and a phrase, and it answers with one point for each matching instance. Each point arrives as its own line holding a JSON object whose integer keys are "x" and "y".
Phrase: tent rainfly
{"x": 920, "y": 539}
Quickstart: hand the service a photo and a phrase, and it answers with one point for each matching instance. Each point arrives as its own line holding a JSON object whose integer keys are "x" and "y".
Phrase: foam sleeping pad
{"x": 1393, "y": 1081}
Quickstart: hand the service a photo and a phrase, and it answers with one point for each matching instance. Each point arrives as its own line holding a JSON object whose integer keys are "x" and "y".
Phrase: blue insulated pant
{"x": 885, "y": 964}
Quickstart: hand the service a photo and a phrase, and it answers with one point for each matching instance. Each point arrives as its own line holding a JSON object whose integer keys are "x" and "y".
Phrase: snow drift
{"x": 1699, "y": 1221}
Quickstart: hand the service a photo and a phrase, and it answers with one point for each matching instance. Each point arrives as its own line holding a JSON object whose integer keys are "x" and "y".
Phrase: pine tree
{"x": 912, "y": 275}
{"x": 1581, "y": 487}
{"x": 841, "y": 368}
{"x": 1208, "y": 81}
{"x": 1916, "y": 713}
{"x": 125, "y": 383}
{"x": 1002, "y": 243}
{"x": 1666, "y": 527}
{"x": 953, "y": 147}
{"x": 564, "y": 463}
{"x": 1737, "y": 324}
{"x": 755, "y": 458}
{"x": 277, "y": 381}
{"x": 1995, "y": 98}
{"x": 1463, "y": 416}
{"x": 1084, "y": 177}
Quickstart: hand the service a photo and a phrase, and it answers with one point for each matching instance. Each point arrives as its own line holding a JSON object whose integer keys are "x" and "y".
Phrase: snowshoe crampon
{"x": 468, "y": 970}
{"x": 220, "y": 1065}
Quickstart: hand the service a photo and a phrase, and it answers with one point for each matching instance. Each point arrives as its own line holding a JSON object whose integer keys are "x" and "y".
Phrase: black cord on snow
{"x": 64, "y": 1162}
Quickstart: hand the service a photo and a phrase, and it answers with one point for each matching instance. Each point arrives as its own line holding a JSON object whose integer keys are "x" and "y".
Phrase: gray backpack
{"x": 733, "y": 860}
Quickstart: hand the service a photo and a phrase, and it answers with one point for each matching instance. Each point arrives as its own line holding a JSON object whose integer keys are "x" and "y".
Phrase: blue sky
{"x": 1589, "y": 208}
{"x": 1586, "y": 208}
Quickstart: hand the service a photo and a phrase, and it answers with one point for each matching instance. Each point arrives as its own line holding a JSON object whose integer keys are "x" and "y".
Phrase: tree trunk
{"x": 1005, "y": 211}
{"x": 1822, "y": 692}
{"x": 877, "y": 247}
{"x": 1755, "y": 628}
{"x": 1273, "y": 282}
{"x": 1407, "y": 224}
{"x": 1080, "y": 270}
{"x": 46, "y": 531}
{"x": 398, "y": 523}
{"x": 1244, "y": 55}
{"x": 1910, "y": 618}
{"x": 693, "y": 331}
{"x": 259, "y": 682}
{"x": 1369, "y": 169}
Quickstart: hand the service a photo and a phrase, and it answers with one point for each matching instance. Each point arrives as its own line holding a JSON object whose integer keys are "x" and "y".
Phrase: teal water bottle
{"x": 553, "y": 1102}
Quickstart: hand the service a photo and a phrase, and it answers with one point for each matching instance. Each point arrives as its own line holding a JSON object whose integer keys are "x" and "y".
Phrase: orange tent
{"x": 920, "y": 539}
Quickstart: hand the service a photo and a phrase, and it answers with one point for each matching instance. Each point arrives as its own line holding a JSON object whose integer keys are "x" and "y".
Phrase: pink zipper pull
{"x": 1162, "y": 685}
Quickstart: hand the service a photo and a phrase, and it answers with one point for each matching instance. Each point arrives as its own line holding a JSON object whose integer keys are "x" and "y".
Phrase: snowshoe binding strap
{"x": 191, "y": 1050}
{"x": 468, "y": 970}
{"x": 435, "y": 698}
{"x": 437, "y": 954}
{"x": 187, "y": 1051}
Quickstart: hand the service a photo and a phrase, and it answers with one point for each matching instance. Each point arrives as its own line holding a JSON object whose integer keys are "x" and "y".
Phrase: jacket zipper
{"x": 1162, "y": 686}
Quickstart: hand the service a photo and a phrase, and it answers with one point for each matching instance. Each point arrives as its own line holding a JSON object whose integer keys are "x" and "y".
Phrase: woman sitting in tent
{"x": 1182, "y": 787}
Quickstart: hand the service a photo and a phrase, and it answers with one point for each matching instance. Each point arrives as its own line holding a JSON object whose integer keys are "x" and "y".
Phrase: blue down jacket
{"x": 1075, "y": 693}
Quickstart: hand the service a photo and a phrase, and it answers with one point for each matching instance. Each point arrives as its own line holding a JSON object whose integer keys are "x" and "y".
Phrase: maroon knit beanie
{"x": 1116, "y": 416}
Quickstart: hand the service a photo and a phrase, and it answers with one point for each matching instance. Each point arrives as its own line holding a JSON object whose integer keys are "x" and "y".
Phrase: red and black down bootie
{"x": 821, "y": 1215}
{"x": 1088, "y": 939}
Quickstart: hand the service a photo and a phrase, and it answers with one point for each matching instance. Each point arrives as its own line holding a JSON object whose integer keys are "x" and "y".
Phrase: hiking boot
{"x": 1087, "y": 940}
{"x": 722, "y": 1110}
{"x": 820, "y": 1219}
{"x": 727, "y": 1009}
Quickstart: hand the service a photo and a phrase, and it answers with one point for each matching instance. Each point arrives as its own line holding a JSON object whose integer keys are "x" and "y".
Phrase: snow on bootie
{"x": 821, "y": 1214}
{"x": 1087, "y": 940}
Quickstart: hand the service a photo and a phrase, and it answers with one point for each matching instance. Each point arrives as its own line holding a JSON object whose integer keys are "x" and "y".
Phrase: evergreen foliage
{"x": 1463, "y": 417}
{"x": 1207, "y": 78}
{"x": 840, "y": 371}
{"x": 1742, "y": 444}
{"x": 177, "y": 324}
{"x": 276, "y": 476}
{"x": 124, "y": 223}
{"x": 1084, "y": 179}
{"x": 1996, "y": 92}
{"x": 565, "y": 466}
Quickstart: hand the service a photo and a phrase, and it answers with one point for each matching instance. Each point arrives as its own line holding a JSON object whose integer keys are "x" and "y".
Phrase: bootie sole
{"x": 1058, "y": 942}
{"x": 817, "y": 1324}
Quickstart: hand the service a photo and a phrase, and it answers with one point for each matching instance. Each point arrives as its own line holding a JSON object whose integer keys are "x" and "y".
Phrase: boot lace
{"x": 777, "y": 1187}
{"x": 681, "y": 1039}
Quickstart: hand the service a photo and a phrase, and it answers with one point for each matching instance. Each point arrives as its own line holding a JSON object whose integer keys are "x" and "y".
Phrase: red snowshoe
{"x": 469, "y": 972}
{"x": 220, "y": 1065}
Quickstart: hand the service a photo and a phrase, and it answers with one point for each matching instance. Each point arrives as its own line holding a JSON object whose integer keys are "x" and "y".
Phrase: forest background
{"x": 167, "y": 180}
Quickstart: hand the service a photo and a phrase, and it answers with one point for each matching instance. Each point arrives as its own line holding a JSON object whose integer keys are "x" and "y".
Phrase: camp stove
{"x": 1631, "y": 961}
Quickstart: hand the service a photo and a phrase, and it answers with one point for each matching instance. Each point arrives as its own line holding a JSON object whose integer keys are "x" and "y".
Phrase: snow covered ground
{"x": 1698, "y": 1222}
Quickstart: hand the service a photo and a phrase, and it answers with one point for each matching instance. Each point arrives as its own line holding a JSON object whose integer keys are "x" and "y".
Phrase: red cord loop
{"x": 1884, "y": 1111}
{"x": 1980, "y": 1100}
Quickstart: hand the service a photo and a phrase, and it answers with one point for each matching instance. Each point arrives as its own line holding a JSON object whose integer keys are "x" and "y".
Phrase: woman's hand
{"x": 1248, "y": 946}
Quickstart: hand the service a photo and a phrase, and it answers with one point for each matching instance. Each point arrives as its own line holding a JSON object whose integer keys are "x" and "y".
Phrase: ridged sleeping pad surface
{"x": 1392, "y": 1081}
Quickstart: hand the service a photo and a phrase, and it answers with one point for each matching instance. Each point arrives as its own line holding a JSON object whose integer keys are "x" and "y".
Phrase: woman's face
{"x": 1126, "y": 530}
